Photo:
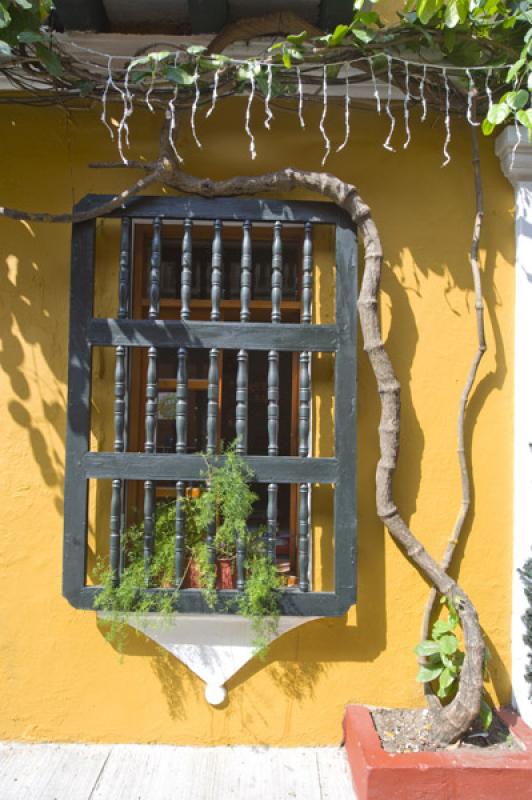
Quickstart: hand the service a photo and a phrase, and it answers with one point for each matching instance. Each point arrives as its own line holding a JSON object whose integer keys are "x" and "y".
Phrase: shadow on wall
{"x": 29, "y": 333}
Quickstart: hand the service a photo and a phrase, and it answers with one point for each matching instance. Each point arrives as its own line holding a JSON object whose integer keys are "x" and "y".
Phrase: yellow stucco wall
{"x": 60, "y": 679}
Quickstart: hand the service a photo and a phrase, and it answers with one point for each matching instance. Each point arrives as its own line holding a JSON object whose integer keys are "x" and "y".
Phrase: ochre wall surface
{"x": 60, "y": 679}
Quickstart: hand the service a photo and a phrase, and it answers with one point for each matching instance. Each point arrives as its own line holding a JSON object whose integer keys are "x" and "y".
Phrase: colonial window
{"x": 216, "y": 335}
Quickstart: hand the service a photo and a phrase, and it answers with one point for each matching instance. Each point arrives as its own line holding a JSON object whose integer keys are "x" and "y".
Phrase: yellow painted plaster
{"x": 60, "y": 679}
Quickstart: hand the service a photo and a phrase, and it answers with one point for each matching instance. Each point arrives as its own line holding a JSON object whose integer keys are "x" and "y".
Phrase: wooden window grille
{"x": 248, "y": 305}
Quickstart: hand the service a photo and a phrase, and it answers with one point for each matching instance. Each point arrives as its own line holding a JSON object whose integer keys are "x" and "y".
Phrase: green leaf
{"x": 427, "y": 648}
{"x": 519, "y": 99}
{"x": 448, "y": 644}
{"x": 49, "y": 60}
{"x": 441, "y": 627}
{"x": 5, "y": 17}
{"x": 428, "y": 674}
{"x": 369, "y": 18}
{"x": 287, "y": 61}
{"x": 498, "y": 113}
{"x": 446, "y": 679}
{"x": 179, "y": 75}
{"x": 486, "y": 714}
{"x": 296, "y": 39}
{"x": 427, "y": 8}
{"x": 514, "y": 70}
{"x": 196, "y": 49}
{"x": 23, "y": 4}
{"x": 5, "y": 49}
{"x": 450, "y": 664}
{"x": 30, "y": 37}
{"x": 362, "y": 35}
{"x": 444, "y": 691}
{"x": 449, "y": 39}
{"x": 455, "y": 12}
{"x": 338, "y": 35}
{"x": 525, "y": 118}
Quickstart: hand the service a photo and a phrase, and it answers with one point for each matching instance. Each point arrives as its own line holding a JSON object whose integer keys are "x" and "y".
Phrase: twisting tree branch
{"x": 82, "y": 216}
{"x": 465, "y": 477}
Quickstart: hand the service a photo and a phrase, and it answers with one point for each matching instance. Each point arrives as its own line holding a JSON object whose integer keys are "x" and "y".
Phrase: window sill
{"x": 213, "y": 646}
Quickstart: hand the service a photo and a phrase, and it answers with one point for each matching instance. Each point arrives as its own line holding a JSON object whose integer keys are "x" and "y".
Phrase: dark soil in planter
{"x": 405, "y": 730}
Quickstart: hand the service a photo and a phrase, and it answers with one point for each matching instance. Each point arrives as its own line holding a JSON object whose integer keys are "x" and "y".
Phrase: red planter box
{"x": 444, "y": 775}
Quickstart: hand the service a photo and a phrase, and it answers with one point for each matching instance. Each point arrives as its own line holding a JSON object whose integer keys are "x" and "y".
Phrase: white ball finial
{"x": 215, "y": 695}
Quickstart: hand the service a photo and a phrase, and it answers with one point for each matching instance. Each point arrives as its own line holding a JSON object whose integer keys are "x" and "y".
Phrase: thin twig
{"x": 465, "y": 476}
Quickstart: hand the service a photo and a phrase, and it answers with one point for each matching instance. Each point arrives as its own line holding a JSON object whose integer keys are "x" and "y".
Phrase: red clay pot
{"x": 225, "y": 576}
{"x": 443, "y": 775}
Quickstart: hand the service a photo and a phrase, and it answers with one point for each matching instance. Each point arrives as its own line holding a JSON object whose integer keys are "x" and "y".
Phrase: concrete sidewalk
{"x": 163, "y": 772}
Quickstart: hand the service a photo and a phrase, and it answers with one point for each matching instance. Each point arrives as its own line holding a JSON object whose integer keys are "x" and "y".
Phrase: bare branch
{"x": 465, "y": 477}
{"x": 82, "y": 216}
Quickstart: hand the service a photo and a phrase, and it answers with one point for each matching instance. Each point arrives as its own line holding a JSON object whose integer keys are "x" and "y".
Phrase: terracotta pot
{"x": 191, "y": 579}
{"x": 225, "y": 573}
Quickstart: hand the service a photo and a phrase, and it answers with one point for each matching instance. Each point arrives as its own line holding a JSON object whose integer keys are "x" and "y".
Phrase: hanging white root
{"x": 470, "y": 92}
{"x": 517, "y": 142}
{"x": 376, "y": 94}
{"x": 171, "y": 128}
{"x": 148, "y": 93}
{"x": 127, "y": 110}
{"x": 108, "y": 85}
{"x": 406, "y": 107}
{"x": 252, "y": 148}
{"x": 267, "y": 99}
{"x": 326, "y": 139}
{"x": 346, "y": 114}
{"x": 446, "y": 156}
{"x": 214, "y": 93}
{"x": 422, "y": 94}
{"x": 300, "y": 93}
{"x": 194, "y": 108}
{"x": 489, "y": 93}
{"x": 387, "y": 144}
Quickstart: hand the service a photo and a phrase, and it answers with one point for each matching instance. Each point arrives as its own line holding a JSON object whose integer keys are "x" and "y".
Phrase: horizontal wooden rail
{"x": 226, "y": 335}
{"x": 173, "y": 467}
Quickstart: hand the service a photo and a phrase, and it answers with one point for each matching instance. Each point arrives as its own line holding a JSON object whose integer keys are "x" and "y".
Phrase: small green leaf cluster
{"x": 443, "y": 659}
{"x": 133, "y": 594}
{"x": 20, "y": 25}
{"x": 442, "y": 654}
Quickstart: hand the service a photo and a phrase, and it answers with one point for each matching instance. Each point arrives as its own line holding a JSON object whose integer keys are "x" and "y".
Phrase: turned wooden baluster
{"x": 213, "y": 376}
{"x": 120, "y": 401}
{"x": 242, "y": 373}
{"x": 273, "y": 388}
{"x": 304, "y": 411}
{"x": 151, "y": 397}
{"x": 182, "y": 399}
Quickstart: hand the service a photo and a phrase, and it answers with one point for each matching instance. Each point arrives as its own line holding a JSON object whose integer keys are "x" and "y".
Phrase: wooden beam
{"x": 335, "y": 12}
{"x": 207, "y": 16}
{"x": 82, "y": 15}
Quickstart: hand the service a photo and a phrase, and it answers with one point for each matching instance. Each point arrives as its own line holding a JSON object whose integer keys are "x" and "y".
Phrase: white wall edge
{"x": 515, "y": 153}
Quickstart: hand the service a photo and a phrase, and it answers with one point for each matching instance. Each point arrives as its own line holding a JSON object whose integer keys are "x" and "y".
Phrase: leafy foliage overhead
{"x": 491, "y": 39}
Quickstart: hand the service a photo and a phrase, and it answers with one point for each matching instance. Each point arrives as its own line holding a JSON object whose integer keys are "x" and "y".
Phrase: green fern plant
{"x": 226, "y": 502}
